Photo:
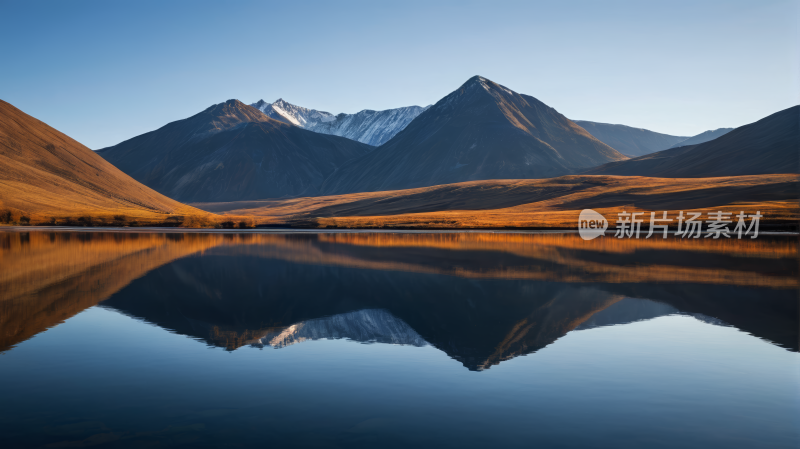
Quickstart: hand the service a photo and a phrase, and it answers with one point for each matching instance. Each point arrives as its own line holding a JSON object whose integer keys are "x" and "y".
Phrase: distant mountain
{"x": 370, "y": 127}
{"x": 703, "y": 137}
{"x": 481, "y": 131}
{"x": 768, "y": 146}
{"x": 231, "y": 151}
{"x": 628, "y": 140}
{"x": 639, "y": 142}
{"x": 45, "y": 172}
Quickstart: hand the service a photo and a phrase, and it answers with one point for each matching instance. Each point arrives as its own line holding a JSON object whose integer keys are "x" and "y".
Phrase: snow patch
{"x": 367, "y": 126}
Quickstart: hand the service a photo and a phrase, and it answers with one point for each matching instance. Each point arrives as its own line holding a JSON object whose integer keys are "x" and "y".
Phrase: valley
{"x": 483, "y": 157}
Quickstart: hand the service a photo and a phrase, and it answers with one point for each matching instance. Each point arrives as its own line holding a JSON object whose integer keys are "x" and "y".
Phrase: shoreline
{"x": 268, "y": 230}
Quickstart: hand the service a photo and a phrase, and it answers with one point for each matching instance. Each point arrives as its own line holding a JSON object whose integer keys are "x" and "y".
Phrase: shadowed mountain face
{"x": 367, "y": 126}
{"x": 481, "y": 298}
{"x": 767, "y": 146}
{"x": 628, "y": 140}
{"x": 44, "y": 171}
{"x": 232, "y": 151}
{"x": 481, "y": 131}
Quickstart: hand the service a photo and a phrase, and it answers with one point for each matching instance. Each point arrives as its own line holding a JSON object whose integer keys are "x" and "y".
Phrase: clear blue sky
{"x": 103, "y": 72}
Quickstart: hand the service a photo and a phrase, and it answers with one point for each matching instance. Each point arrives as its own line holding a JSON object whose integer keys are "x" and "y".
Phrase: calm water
{"x": 396, "y": 340}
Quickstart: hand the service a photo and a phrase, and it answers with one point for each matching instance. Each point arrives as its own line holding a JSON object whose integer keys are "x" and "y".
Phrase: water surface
{"x": 126, "y": 339}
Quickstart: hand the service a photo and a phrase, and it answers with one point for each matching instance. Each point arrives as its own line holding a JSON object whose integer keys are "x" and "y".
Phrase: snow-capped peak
{"x": 367, "y": 126}
{"x": 289, "y": 113}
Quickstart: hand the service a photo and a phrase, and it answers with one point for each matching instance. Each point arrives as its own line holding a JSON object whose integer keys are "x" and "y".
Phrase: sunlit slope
{"x": 530, "y": 203}
{"x": 44, "y": 172}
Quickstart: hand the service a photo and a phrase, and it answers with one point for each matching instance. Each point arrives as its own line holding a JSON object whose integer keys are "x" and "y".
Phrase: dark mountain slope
{"x": 230, "y": 152}
{"x": 628, "y": 140}
{"x": 768, "y": 146}
{"x": 481, "y": 131}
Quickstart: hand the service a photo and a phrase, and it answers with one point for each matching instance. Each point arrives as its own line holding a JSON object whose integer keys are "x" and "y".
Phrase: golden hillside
{"x": 531, "y": 203}
{"x": 46, "y": 175}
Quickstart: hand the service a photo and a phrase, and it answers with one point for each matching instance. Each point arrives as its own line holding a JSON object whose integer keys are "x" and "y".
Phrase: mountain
{"x": 480, "y": 131}
{"x": 628, "y": 140}
{"x": 636, "y": 142}
{"x": 232, "y": 151}
{"x": 370, "y": 127}
{"x": 45, "y": 173}
{"x": 703, "y": 137}
{"x": 768, "y": 146}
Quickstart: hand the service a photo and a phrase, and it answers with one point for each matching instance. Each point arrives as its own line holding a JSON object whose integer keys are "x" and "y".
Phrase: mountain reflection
{"x": 365, "y": 326}
{"x": 480, "y": 297}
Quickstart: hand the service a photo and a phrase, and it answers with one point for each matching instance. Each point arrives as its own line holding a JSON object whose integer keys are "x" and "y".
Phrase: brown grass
{"x": 48, "y": 178}
{"x": 533, "y": 204}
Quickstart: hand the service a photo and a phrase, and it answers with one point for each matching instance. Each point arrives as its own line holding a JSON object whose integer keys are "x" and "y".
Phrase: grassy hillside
{"x": 530, "y": 203}
{"x": 47, "y": 177}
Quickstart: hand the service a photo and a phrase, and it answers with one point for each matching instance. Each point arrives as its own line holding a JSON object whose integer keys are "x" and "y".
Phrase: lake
{"x": 392, "y": 339}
